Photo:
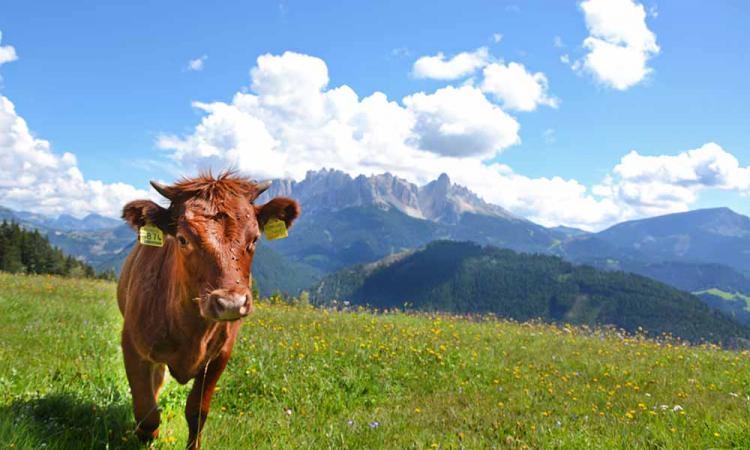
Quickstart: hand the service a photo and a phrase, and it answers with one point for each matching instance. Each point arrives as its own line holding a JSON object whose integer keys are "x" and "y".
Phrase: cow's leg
{"x": 199, "y": 400}
{"x": 157, "y": 379}
{"x": 145, "y": 409}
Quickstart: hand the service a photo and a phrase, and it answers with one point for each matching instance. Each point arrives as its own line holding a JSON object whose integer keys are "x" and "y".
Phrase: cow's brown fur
{"x": 164, "y": 292}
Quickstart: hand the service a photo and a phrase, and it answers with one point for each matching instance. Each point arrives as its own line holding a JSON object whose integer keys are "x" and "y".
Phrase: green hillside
{"x": 26, "y": 251}
{"x": 464, "y": 277}
{"x": 308, "y": 378}
{"x": 734, "y": 304}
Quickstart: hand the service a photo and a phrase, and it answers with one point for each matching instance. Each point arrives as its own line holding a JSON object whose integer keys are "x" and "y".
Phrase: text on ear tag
{"x": 275, "y": 229}
{"x": 151, "y": 235}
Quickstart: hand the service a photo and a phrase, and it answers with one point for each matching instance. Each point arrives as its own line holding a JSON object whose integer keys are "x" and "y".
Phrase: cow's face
{"x": 213, "y": 237}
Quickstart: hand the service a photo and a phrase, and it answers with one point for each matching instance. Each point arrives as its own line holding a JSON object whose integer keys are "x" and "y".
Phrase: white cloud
{"x": 7, "y": 52}
{"x": 439, "y": 68}
{"x": 649, "y": 185}
{"x": 461, "y": 122}
{"x": 619, "y": 43}
{"x": 34, "y": 178}
{"x": 197, "y": 64}
{"x": 557, "y": 42}
{"x": 497, "y": 37}
{"x": 517, "y": 88}
{"x": 291, "y": 121}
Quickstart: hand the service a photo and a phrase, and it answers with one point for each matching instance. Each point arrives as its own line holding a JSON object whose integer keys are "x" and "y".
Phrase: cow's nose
{"x": 230, "y": 305}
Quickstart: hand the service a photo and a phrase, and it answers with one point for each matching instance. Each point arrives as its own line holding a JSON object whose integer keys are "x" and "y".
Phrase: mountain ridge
{"x": 464, "y": 277}
{"x": 439, "y": 200}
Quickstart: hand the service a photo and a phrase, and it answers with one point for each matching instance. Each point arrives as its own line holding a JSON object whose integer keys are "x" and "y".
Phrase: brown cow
{"x": 181, "y": 302}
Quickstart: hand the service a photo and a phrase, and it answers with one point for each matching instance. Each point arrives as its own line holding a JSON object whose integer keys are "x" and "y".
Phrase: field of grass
{"x": 727, "y": 296}
{"x": 309, "y": 378}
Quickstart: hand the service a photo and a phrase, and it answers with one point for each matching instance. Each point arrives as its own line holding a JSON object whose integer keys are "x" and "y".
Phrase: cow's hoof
{"x": 146, "y": 435}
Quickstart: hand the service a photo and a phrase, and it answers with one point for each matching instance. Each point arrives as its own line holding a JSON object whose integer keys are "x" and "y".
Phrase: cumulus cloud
{"x": 7, "y": 52}
{"x": 196, "y": 65}
{"x": 290, "y": 121}
{"x": 460, "y": 122}
{"x": 439, "y": 67}
{"x": 34, "y": 178}
{"x": 648, "y": 185}
{"x": 517, "y": 88}
{"x": 619, "y": 44}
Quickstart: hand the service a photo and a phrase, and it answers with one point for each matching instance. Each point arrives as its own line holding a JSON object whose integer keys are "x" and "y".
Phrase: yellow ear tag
{"x": 151, "y": 235}
{"x": 275, "y": 229}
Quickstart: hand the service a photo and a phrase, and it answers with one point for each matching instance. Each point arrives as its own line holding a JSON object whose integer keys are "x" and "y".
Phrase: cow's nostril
{"x": 222, "y": 302}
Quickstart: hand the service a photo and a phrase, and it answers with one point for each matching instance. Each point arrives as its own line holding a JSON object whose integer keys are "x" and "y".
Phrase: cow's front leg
{"x": 140, "y": 377}
{"x": 199, "y": 400}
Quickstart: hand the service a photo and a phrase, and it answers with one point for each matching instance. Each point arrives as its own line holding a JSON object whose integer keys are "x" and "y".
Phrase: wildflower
{"x": 350, "y": 422}
{"x": 677, "y": 408}
{"x": 374, "y": 424}
{"x": 288, "y": 411}
{"x": 558, "y": 424}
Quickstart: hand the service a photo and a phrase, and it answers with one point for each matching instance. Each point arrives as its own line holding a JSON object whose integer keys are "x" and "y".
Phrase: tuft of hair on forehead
{"x": 216, "y": 190}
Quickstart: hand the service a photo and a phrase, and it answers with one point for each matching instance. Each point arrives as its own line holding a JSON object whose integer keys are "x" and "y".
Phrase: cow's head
{"x": 212, "y": 226}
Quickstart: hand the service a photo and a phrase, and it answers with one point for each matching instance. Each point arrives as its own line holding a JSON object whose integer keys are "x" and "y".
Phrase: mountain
{"x": 696, "y": 250}
{"x": 569, "y": 232}
{"x": 439, "y": 200}
{"x": 464, "y": 277}
{"x": 29, "y": 251}
{"x": 717, "y": 235}
{"x": 348, "y": 220}
{"x": 64, "y": 222}
{"x": 354, "y": 220}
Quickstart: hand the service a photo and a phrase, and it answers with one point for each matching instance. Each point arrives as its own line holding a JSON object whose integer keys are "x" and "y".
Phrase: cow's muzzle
{"x": 226, "y": 305}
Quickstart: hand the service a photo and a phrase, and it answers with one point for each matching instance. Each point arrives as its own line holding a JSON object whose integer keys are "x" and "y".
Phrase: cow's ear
{"x": 281, "y": 208}
{"x": 140, "y": 212}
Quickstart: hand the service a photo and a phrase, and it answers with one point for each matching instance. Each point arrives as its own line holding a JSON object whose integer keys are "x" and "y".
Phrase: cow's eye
{"x": 251, "y": 244}
{"x": 183, "y": 242}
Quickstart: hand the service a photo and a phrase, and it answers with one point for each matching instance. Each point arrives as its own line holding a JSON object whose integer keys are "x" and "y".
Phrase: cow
{"x": 182, "y": 302}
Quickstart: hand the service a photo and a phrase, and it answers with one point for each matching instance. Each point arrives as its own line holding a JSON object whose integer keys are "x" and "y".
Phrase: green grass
{"x": 727, "y": 296}
{"x": 308, "y": 378}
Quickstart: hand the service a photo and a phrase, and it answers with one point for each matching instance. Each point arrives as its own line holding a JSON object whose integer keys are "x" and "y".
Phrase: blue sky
{"x": 106, "y": 82}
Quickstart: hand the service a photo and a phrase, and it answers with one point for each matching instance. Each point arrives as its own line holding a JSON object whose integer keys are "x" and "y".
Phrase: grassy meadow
{"x": 311, "y": 378}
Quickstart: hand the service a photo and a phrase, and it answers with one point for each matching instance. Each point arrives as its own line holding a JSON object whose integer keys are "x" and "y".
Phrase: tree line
{"x": 29, "y": 251}
{"x": 464, "y": 277}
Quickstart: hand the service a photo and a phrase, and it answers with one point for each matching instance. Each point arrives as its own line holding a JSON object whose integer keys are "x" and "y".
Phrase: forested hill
{"x": 464, "y": 277}
{"x": 24, "y": 251}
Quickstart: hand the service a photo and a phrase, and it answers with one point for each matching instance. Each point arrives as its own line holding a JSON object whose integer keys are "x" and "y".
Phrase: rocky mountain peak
{"x": 439, "y": 200}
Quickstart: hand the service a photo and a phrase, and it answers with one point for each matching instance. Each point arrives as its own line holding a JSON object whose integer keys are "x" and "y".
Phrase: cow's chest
{"x": 188, "y": 358}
